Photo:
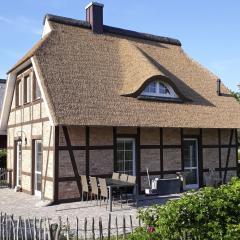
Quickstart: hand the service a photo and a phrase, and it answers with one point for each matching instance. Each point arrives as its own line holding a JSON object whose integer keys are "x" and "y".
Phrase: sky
{"x": 209, "y": 30}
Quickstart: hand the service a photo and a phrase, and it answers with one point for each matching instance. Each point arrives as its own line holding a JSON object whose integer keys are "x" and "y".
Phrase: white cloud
{"x": 6, "y": 20}
{"x": 23, "y": 24}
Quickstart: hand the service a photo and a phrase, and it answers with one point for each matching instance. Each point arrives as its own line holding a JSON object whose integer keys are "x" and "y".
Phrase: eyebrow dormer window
{"x": 159, "y": 89}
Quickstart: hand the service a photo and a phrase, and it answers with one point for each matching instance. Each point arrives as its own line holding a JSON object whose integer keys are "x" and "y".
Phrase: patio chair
{"x": 103, "y": 191}
{"x": 131, "y": 179}
{"x": 94, "y": 188}
{"x": 129, "y": 191}
{"x": 85, "y": 186}
{"x": 115, "y": 176}
{"x": 124, "y": 177}
{"x": 211, "y": 178}
{"x": 182, "y": 176}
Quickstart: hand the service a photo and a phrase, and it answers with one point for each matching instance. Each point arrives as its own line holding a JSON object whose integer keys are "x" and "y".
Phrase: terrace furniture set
{"x": 109, "y": 189}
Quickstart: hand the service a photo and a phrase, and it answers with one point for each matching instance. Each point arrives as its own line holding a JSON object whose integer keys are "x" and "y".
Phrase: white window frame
{"x": 19, "y": 164}
{"x": 134, "y": 152}
{"x": 158, "y": 94}
{"x": 193, "y": 186}
{"x": 28, "y": 94}
{"x": 35, "y": 86}
{"x": 37, "y": 192}
{"x": 20, "y": 93}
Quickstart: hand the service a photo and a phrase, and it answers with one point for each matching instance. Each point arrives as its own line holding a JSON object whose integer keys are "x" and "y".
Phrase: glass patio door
{"x": 126, "y": 156}
{"x": 19, "y": 164}
{"x": 190, "y": 155}
{"x": 38, "y": 168}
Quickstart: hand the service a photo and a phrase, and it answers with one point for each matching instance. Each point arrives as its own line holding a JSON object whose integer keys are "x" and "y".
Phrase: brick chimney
{"x": 94, "y": 15}
{"x": 219, "y": 87}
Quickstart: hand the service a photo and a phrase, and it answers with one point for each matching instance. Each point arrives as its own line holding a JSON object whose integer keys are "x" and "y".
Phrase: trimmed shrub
{"x": 210, "y": 213}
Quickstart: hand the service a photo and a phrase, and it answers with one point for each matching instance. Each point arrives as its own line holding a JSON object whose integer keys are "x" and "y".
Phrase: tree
{"x": 236, "y": 95}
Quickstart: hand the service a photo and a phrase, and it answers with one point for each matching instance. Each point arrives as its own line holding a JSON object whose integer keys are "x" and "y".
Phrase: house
{"x": 3, "y": 134}
{"x": 92, "y": 99}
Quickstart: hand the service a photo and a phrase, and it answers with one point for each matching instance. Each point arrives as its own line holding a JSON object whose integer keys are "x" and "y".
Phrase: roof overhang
{"x": 10, "y": 86}
{"x": 8, "y": 95}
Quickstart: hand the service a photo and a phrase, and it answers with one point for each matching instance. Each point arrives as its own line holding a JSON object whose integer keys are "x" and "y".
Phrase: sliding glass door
{"x": 19, "y": 163}
{"x": 190, "y": 156}
{"x": 38, "y": 168}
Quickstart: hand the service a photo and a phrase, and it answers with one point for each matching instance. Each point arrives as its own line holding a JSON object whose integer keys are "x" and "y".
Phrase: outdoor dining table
{"x": 116, "y": 184}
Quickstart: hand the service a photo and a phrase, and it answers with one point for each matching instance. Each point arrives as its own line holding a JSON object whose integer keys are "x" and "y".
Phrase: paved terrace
{"x": 27, "y": 206}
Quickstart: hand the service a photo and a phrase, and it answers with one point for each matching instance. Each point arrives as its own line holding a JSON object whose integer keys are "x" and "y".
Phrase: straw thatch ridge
{"x": 68, "y": 21}
{"x": 114, "y": 30}
{"x": 30, "y": 53}
{"x": 86, "y": 75}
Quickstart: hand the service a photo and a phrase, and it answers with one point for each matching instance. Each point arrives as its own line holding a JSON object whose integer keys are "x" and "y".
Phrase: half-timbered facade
{"x": 92, "y": 99}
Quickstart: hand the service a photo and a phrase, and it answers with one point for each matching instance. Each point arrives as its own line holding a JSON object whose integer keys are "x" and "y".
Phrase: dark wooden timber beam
{"x": 56, "y": 163}
{"x": 72, "y": 157}
{"x": 219, "y": 153}
{"x": 161, "y": 151}
{"x": 87, "y": 149}
{"x": 114, "y": 149}
{"x": 138, "y": 162}
{"x": 200, "y": 159}
{"x": 182, "y": 148}
{"x": 228, "y": 156}
{"x": 236, "y": 139}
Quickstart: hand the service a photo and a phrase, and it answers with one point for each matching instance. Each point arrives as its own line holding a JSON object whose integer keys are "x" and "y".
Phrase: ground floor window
{"x": 38, "y": 167}
{"x": 126, "y": 156}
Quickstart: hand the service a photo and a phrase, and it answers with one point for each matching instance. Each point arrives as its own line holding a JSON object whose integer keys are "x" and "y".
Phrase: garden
{"x": 210, "y": 213}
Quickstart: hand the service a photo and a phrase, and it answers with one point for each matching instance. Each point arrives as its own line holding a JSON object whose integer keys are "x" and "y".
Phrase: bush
{"x": 209, "y": 213}
{"x": 3, "y": 158}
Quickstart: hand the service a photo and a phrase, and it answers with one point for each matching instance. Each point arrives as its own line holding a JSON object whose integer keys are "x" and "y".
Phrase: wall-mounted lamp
{"x": 20, "y": 138}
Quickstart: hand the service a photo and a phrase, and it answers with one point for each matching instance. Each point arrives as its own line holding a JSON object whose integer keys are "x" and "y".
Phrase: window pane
{"x": 191, "y": 177}
{"x": 38, "y": 93}
{"x": 36, "y": 89}
{"x": 128, "y": 145}
{"x": 120, "y": 166}
{"x": 120, "y": 155}
{"x": 38, "y": 182}
{"x": 17, "y": 93}
{"x": 20, "y": 93}
{"x": 128, "y": 155}
{"x": 120, "y": 145}
{"x": 29, "y": 89}
{"x": 190, "y": 158}
{"x": 151, "y": 88}
{"x": 38, "y": 153}
{"x": 128, "y": 165}
{"x": 163, "y": 89}
{"x": 19, "y": 164}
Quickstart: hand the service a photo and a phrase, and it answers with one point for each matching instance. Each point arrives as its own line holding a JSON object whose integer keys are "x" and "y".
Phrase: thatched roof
{"x": 94, "y": 79}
